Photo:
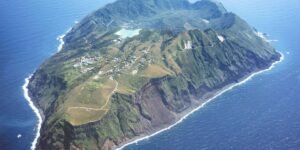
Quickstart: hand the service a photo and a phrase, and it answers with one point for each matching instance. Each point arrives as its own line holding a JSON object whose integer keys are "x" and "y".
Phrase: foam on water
{"x": 61, "y": 40}
{"x": 31, "y": 104}
{"x": 204, "y": 104}
{"x": 19, "y": 136}
{"x": 35, "y": 110}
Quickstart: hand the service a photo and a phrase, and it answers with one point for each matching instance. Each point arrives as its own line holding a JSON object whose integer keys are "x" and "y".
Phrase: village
{"x": 86, "y": 63}
{"x": 132, "y": 64}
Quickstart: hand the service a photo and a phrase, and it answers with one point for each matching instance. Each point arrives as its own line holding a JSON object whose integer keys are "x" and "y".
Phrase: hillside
{"x": 136, "y": 66}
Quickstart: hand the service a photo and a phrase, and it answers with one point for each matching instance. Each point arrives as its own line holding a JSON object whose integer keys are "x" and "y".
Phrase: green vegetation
{"x": 103, "y": 89}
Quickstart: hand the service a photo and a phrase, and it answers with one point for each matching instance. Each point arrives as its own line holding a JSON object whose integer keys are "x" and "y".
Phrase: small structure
{"x": 188, "y": 45}
{"x": 221, "y": 38}
{"x": 134, "y": 72}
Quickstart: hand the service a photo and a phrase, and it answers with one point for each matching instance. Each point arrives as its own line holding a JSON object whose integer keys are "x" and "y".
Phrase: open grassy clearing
{"x": 81, "y": 116}
{"x": 155, "y": 71}
{"x": 90, "y": 102}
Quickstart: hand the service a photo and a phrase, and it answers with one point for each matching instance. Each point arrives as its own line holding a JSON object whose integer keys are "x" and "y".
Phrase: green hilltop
{"x": 136, "y": 66}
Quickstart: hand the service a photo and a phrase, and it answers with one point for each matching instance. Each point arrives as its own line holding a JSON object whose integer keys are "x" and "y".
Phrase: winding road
{"x": 102, "y": 108}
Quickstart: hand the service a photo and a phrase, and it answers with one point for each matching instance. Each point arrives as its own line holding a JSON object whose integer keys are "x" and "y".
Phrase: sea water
{"x": 28, "y": 33}
{"x": 261, "y": 114}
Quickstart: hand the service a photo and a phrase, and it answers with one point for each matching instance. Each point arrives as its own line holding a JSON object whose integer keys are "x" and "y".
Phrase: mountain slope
{"x": 136, "y": 66}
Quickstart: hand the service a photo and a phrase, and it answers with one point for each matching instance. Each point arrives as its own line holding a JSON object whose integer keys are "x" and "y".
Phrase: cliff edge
{"x": 134, "y": 67}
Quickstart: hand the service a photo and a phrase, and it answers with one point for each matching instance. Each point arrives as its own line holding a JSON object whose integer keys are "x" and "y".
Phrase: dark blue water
{"x": 28, "y": 32}
{"x": 261, "y": 114}
{"x": 264, "y": 113}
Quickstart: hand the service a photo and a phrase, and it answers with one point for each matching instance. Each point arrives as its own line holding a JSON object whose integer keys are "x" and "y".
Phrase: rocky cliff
{"x": 136, "y": 66}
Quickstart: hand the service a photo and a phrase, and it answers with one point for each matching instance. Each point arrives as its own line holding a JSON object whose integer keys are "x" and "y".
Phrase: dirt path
{"x": 103, "y": 107}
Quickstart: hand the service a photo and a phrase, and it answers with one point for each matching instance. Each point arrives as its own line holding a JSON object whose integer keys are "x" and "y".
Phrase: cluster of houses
{"x": 132, "y": 63}
{"x": 118, "y": 65}
{"x": 86, "y": 63}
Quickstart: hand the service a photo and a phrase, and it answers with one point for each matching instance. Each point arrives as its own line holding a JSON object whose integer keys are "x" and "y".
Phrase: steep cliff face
{"x": 136, "y": 66}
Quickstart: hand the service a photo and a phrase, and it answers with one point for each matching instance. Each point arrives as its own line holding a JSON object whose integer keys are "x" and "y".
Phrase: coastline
{"x": 60, "y": 38}
{"x": 35, "y": 109}
{"x": 181, "y": 116}
{"x": 184, "y": 116}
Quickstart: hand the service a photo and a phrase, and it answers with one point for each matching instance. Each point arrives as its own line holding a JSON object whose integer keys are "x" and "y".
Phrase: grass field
{"x": 89, "y": 102}
{"x": 79, "y": 116}
{"x": 155, "y": 71}
{"x": 123, "y": 73}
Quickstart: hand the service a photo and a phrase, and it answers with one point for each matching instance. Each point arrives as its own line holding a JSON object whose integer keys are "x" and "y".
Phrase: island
{"x": 136, "y": 67}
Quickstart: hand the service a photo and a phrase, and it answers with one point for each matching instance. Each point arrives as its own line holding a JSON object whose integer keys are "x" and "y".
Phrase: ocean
{"x": 261, "y": 114}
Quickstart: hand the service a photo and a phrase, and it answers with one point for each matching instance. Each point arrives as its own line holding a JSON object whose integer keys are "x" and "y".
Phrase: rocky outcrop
{"x": 170, "y": 77}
